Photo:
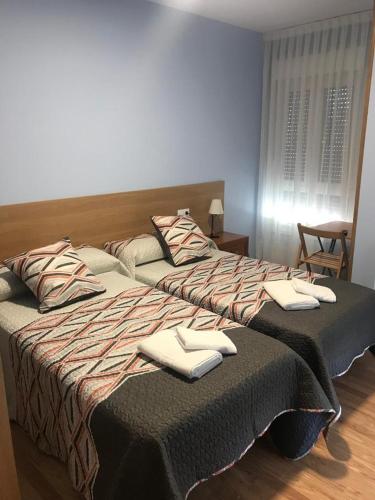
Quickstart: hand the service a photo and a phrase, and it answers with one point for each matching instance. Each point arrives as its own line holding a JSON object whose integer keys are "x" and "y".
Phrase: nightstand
{"x": 234, "y": 243}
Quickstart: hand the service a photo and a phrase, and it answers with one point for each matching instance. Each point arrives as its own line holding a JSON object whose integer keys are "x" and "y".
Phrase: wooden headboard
{"x": 97, "y": 219}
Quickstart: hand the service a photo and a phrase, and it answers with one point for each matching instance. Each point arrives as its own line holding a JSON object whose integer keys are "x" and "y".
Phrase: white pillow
{"x": 135, "y": 251}
{"x": 10, "y": 285}
{"x": 98, "y": 261}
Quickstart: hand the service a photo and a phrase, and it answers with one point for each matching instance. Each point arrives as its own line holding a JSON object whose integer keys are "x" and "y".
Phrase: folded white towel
{"x": 321, "y": 293}
{"x": 205, "y": 339}
{"x": 284, "y": 294}
{"x": 165, "y": 348}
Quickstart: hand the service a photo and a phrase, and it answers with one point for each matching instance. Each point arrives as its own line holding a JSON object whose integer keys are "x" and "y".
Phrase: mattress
{"x": 125, "y": 425}
{"x": 329, "y": 338}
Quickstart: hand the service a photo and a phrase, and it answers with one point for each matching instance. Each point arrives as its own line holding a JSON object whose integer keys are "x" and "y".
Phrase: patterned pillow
{"x": 183, "y": 241}
{"x": 55, "y": 274}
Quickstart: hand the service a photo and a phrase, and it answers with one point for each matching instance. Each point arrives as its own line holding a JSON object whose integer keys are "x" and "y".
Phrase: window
{"x": 295, "y": 135}
{"x": 337, "y": 104}
{"x": 336, "y": 116}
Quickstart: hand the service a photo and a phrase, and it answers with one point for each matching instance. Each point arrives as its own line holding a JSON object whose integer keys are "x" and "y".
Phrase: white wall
{"x": 364, "y": 255}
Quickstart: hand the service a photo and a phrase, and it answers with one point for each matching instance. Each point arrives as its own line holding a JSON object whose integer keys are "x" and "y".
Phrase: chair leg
{"x": 298, "y": 260}
{"x": 322, "y": 249}
{"x": 332, "y": 246}
{"x": 340, "y": 267}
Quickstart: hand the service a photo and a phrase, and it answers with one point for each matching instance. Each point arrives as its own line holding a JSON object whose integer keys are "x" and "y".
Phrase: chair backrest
{"x": 332, "y": 235}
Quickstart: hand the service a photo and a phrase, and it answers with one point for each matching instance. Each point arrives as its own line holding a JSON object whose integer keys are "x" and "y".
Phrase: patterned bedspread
{"x": 65, "y": 364}
{"x": 231, "y": 286}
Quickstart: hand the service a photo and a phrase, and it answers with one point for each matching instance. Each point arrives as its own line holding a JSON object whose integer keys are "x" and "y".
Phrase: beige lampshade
{"x": 216, "y": 207}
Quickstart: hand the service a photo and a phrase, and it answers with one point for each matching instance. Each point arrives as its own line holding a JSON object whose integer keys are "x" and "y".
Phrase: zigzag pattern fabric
{"x": 231, "y": 286}
{"x": 65, "y": 364}
{"x": 55, "y": 274}
{"x": 183, "y": 239}
{"x": 115, "y": 248}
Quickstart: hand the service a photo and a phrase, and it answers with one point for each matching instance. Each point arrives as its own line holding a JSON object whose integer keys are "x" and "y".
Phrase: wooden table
{"x": 337, "y": 226}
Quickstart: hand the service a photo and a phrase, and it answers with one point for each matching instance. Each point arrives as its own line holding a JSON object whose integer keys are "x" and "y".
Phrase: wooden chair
{"x": 326, "y": 260}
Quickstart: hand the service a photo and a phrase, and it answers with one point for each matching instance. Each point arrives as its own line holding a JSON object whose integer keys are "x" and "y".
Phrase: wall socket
{"x": 183, "y": 211}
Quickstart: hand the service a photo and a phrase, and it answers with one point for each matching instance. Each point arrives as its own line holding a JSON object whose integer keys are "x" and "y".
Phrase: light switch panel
{"x": 183, "y": 211}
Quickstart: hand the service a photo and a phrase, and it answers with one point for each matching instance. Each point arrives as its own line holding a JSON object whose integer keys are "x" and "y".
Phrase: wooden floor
{"x": 345, "y": 472}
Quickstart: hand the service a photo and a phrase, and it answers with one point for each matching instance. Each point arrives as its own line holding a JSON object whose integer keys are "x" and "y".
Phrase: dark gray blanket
{"x": 129, "y": 429}
{"x": 159, "y": 434}
{"x": 329, "y": 338}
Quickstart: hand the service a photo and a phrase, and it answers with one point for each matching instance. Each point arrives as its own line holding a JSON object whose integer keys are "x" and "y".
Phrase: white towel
{"x": 207, "y": 339}
{"x": 285, "y": 295}
{"x": 321, "y": 293}
{"x": 165, "y": 348}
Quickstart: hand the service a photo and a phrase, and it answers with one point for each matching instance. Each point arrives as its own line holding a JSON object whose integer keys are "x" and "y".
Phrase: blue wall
{"x": 103, "y": 96}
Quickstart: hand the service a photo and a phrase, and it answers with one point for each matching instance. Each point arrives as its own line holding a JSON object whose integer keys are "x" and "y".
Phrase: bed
{"x": 128, "y": 427}
{"x": 329, "y": 338}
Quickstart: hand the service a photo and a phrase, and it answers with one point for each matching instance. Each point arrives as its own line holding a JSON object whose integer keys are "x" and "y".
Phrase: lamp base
{"x": 212, "y": 227}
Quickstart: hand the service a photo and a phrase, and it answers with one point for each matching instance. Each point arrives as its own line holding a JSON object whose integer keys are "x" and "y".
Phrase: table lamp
{"x": 216, "y": 208}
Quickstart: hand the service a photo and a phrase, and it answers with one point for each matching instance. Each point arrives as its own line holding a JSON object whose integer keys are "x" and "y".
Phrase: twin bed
{"x": 329, "y": 338}
{"x": 127, "y": 426}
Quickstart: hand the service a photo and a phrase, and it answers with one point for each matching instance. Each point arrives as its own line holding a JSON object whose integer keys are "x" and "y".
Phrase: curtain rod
{"x": 318, "y": 21}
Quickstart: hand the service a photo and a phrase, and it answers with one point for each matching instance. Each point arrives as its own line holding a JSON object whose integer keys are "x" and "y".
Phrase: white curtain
{"x": 313, "y": 97}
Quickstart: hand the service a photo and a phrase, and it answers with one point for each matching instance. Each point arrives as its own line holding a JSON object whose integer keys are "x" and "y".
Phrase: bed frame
{"x": 96, "y": 219}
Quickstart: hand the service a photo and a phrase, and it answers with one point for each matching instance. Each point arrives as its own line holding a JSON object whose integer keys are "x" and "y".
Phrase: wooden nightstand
{"x": 234, "y": 243}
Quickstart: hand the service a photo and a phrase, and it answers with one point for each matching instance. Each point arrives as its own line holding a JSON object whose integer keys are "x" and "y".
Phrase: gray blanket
{"x": 159, "y": 435}
{"x": 329, "y": 338}
{"x": 128, "y": 428}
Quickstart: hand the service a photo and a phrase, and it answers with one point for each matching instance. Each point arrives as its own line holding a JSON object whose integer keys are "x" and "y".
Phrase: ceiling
{"x": 266, "y": 15}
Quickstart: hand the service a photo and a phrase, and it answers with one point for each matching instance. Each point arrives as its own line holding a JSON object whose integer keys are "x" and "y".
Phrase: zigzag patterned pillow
{"x": 55, "y": 274}
{"x": 183, "y": 240}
